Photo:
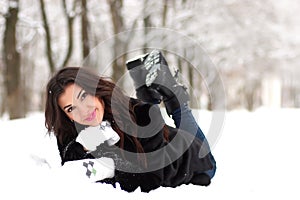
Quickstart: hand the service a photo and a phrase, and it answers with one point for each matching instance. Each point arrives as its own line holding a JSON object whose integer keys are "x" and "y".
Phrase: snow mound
{"x": 257, "y": 157}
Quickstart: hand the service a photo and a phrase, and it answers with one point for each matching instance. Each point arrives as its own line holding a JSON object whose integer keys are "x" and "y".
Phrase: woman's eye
{"x": 70, "y": 109}
{"x": 83, "y": 96}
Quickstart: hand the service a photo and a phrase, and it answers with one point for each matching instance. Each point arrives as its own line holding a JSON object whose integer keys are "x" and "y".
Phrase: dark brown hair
{"x": 57, "y": 121}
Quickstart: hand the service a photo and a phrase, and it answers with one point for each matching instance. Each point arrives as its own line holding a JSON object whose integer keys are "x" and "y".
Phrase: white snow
{"x": 257, "y": 157}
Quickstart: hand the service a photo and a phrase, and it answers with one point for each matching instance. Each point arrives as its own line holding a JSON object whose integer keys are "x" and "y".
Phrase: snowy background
{"x": 254, "y": 45}
{"x": 257, "y": 157}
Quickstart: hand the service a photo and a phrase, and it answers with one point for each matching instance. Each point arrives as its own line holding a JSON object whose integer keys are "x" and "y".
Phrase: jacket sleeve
{"x": 87, "y": 170}
{"x": 127, "y": 174}
{"x": 72, "y": 150}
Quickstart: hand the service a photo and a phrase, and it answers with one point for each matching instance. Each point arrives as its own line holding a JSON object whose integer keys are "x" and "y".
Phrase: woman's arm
{"x": 72, "y": 150}
{"x": 73, "y": 156}
{"x": 88, "y": 170}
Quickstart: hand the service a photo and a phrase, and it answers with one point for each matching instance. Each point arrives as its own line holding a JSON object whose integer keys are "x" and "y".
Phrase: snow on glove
{"x": 93, "y": 136}
{"x": 89, "y": 170}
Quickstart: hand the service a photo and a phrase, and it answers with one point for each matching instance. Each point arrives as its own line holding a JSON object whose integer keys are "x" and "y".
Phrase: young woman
{"x": 92, "y": 118}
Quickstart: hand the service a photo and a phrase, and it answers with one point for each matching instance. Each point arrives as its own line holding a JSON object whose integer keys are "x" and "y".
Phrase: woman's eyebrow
{"x": 79, "y": 93}
{"x": 67, "y": 106}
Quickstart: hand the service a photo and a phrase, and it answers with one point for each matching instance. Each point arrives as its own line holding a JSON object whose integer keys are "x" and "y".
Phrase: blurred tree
{"x": 147, "y": 24}
{"x": 48, "y": 37}
{"x": 69, "y": 15}
{"x": 120, "y": 45}
{"x": 85, "y": 29}
{"x": 246, "y": 40}
{"x": 12, "y": 63}
{"x": 49, "y": 51}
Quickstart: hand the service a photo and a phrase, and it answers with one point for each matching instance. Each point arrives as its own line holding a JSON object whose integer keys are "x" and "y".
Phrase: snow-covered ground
{"x": 257, "y": 156}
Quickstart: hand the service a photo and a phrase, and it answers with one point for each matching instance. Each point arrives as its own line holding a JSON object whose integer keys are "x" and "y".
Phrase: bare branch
{"x": 48, "y": 37}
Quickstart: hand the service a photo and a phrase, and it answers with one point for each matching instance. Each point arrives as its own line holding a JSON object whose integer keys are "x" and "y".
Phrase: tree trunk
{"x": 84, "y": 30}
{"x": 70, "y": 19}
{"x": 147, "y": 24}
{"x": 118, "y": 26}
{"x": 48, "y": 37}
{"x": 12, "y": 65}
{"x": 193, "y": 100}
{"x": 164, "y": 13}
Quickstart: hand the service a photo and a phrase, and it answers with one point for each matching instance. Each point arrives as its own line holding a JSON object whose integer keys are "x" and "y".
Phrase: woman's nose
{"x": 82, "y": 110}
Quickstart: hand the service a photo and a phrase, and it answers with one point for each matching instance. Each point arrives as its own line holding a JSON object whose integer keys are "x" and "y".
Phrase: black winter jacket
{"x": 170, "y": 163}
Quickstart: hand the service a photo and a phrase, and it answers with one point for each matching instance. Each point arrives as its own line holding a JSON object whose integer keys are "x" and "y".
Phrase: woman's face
{"x": 81, "y": 107}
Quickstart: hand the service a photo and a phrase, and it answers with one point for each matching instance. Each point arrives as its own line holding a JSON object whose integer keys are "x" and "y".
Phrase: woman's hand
{"x": 90, "y": 170}
{"x": 90, "y": 138}
{"x": 93, "y": 136}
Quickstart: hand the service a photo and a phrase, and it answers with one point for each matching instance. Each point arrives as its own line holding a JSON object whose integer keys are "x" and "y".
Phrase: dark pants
{"x": 184, "y": 119}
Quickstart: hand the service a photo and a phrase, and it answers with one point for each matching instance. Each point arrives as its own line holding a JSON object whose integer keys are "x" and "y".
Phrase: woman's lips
{"x": 92, "y": 116}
